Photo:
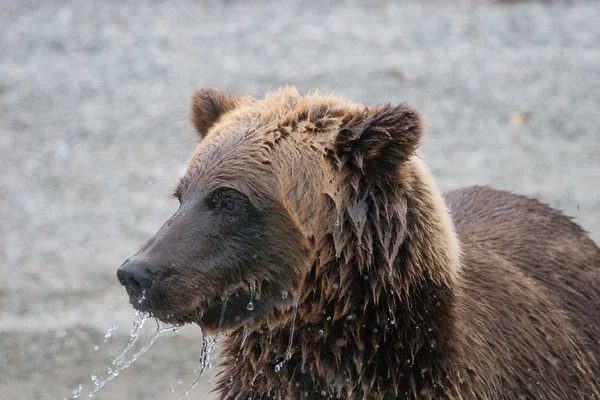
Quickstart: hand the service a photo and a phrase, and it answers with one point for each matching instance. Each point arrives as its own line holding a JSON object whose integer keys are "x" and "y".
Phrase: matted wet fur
{"x": 323, "y": 203}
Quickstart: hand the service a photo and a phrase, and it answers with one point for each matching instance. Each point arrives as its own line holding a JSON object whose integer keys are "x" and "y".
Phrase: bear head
{"x": 260, "y": 198}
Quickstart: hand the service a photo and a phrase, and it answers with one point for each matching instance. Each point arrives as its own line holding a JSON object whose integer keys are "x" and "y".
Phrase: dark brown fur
{"x": 395, "y": 298}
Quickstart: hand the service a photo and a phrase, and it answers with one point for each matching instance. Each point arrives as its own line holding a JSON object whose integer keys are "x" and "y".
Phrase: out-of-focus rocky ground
{"x": 93, "y": 137}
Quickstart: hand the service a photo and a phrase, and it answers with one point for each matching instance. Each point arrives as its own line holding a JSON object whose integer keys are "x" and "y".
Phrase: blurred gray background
{"x": 93, "y": 137}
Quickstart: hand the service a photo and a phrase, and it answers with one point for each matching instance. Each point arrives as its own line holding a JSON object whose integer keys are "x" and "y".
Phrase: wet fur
{"x": 487, "y": 325}
{"x": 497, "y": 297}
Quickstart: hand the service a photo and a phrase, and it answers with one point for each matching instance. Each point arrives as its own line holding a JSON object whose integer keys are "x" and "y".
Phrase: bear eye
{"x": 231, "y": 206}
{"x": 229, "y": 200}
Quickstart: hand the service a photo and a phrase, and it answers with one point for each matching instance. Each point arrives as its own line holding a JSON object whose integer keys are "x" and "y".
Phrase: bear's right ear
{"x": 207, "y": 106}
{"x": 375, "y": 142}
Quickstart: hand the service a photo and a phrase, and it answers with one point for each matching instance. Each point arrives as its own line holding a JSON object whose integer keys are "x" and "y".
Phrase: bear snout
{"x": 136, "y": 276}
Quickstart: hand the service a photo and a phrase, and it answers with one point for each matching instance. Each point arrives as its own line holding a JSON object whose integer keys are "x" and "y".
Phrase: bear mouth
{"x": 240, "y": 306}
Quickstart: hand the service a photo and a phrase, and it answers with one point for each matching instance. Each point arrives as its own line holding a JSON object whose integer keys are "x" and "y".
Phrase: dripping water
{"x": 223, "y": 309}
{"x": 207, "y": 345}
{"x": 120, "y": 363}
{"x": 244, "y": 337}
{"x": 138, "y": 324}
{"x": 141, "y": 299}
{"x": 288, "y": 352}
{"x": 250, "y": 305}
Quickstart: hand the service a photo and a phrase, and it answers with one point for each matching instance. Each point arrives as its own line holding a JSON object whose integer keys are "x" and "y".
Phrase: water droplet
{"x": 337, "y": 221}
{"x": 321, "y": 331}
{"x": 180, "y": 383}
{"x": 109, "y": 370}
{"x": 278, "y": 367}
{"x": 172, "y": 389}
{"x": 391, "y": 291}
{"x": 77, "y": 392}
{"x": 284, "y": 295}
{"x": 392, "y": 322}
{"x": 336, "y": 286}
{"x": 107, "y": 333}
{"x": 93, "y": 377}
{"x": 323, "y": 393}
{"x": 114, "y": 326}
{"x": 366, "y": 277}
{"x": 250, "y": 306}
{"x": 329, "y": 318}
{"x": 96, "y": 347}
{"x": 340, "y": 342}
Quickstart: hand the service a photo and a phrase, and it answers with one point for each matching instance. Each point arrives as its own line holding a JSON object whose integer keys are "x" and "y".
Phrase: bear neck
{"x": 375, "y": 315}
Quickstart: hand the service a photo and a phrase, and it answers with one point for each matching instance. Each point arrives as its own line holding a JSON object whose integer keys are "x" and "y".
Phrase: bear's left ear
{"x": 207, "y": 106}
{"x": 375, "y": 142}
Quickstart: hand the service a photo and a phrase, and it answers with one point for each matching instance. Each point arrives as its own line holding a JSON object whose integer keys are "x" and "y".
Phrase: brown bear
{"x": 312, "y": 233}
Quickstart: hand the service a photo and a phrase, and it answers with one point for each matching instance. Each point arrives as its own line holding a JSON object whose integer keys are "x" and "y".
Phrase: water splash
{"x": 138, "y": 324}
{"x": 207, "y": 345}
{"x": 121, "y": 362}
{"x": 77, "y": 392}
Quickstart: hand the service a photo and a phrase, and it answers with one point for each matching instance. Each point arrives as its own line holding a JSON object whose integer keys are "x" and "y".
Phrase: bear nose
{"x": 136, "y": 275}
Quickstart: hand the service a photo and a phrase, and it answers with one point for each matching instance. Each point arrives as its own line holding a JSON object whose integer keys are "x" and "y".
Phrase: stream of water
{"x": 120, "y": 363}
{"x": 208, "y": 343}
